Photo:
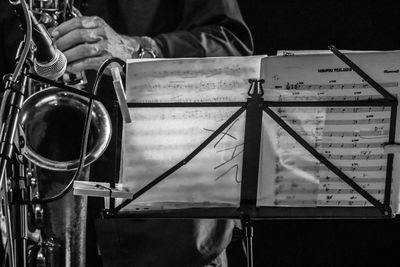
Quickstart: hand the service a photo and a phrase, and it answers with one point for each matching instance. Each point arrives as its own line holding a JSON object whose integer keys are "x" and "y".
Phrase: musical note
{"x": 352, "y": 138}
{"x": 161, "y": 137}
{"x": 357, "y": 162}
{"x": 343, "y": 86}
{"x": 191, "y": 80}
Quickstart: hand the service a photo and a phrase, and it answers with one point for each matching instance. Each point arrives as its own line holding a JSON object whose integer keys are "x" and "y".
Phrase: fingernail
{"x": 55, "y": 34}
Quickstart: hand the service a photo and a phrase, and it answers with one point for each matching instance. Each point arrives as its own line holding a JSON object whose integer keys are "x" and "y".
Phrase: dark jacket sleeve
{"x": 209, "y": 28}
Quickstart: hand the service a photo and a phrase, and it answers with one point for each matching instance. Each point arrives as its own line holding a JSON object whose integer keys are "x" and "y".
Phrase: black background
{"x": 312, "y": 24}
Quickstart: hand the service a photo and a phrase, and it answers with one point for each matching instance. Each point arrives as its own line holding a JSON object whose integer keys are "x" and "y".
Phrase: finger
{"x": 85, "y": 50}
{"x": 67, "y": 26}
{"x": 79, "y": 36}
{"x": 76, "y": 11}
{"x": 77, "y": 23}
{"x": 50, "y": 29}
{"x": 91, "y": 63}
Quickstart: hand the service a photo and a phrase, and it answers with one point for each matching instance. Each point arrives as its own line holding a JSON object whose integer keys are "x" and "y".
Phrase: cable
{"x": 27, "y": 44}
{"x": 85, "y": 137}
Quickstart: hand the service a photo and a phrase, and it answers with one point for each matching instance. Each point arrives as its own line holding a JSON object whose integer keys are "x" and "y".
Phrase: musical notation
{"x": 191, "y": 80}
{"x": 159, "y": 138}
{"x": 333, "y": 91}
{"x": 345, "y": 137}
{"x": 341, "y": 145}
{"x": 352, "y": 138}
{"x": 292, "y": 191}
{"x": 356, "y": 133}
{"x": 342, "y": 110}
{"x": 333, "y": 86}
{"x": 198, "y": 85}
{"x": 209, "y": 70}
{"x": 356, "y": 157}
{"x": 291, "y": 203}
{"x": 344, "y": 168}
{"x": 342, "y": 122}
{"x": 332, "y": 180}
{"x": 328, "y": 133}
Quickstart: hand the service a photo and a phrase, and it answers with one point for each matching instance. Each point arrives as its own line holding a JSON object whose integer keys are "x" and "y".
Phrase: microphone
{"x": 49, "y": 62}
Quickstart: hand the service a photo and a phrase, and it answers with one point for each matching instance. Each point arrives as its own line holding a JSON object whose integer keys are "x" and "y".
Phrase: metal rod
{"x": 185, "y": 105}
{"x": 248, "y": 236}
{"x": 362, "y": 74}
{"x": 390, "y": 158}
{"x": 251, "y": 148}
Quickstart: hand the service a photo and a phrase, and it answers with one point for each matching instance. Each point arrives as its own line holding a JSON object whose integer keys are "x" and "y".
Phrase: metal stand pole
{"x": 248, "y": 236}
{"x": 19, "y": 214}
{"x": 251, "y": 161}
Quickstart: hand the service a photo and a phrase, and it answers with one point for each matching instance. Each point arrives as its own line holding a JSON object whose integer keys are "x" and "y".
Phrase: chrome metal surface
{"x": 64, "y": 228}
{"x": 54, "y": 116}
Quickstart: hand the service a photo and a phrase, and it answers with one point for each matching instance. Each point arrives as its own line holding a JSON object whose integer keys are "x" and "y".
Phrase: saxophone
{"x": 59, "y": 228}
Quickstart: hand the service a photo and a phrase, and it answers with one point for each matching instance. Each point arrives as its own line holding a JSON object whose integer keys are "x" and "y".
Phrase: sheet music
{"x": 350, "y": 137}
{"x": 159, "y": 138}
{"x": 289, "y": 53}
{"x": 191, "y": 80}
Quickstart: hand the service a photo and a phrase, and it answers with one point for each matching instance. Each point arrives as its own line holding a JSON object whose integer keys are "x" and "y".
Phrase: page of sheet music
{"x": 191, "y": 80}
{"x": 350, "y": 137}
{"x": 159, "y": 138}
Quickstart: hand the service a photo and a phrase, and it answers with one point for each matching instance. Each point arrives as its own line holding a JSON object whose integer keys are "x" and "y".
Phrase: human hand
{"x": 88, "y": 41}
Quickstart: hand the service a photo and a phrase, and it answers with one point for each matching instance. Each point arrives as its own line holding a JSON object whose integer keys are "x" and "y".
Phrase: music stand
{"x": 248, "y": 209}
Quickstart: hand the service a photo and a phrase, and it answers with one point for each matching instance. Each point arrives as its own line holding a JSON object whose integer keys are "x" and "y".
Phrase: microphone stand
{"x": 18, "y": 197}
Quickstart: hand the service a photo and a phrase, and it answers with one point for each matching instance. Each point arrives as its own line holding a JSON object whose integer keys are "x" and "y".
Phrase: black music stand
{"x": 248, "y": 209}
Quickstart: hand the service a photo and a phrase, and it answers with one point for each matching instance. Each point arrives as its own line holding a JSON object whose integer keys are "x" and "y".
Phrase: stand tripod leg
{"x": 9, "y": 249}
{"x": 19, "y": 216}
{"x": 15, "y": 211}
{"x": 248, "y": 236}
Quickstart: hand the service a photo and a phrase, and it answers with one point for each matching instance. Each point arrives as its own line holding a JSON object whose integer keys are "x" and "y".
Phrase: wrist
{"x": 146, "y": 48}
